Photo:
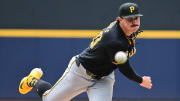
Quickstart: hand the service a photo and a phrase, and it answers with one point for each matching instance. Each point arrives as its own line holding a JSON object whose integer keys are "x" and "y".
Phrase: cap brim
{"x": 130, "y": 16}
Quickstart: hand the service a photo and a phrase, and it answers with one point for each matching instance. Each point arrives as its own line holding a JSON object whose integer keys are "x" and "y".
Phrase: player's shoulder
{"x": 114, "y": 37}
{"x": 113, "y": 32}
{"x": 109, "y": 32}
{"x": 111, "y": 28}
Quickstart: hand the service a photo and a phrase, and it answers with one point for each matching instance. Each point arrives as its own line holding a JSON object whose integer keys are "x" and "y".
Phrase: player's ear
{"x": 120, "y": 19}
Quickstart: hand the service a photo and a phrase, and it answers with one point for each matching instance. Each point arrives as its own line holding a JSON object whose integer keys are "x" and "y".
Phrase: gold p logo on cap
{"x": 132, "y": 8}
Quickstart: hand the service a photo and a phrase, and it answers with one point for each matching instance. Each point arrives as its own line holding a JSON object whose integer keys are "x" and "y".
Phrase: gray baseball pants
{"x": 75, "y": 81}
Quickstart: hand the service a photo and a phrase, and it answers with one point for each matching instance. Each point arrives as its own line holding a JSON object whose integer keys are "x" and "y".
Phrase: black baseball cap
{"x": 128, "y": 10}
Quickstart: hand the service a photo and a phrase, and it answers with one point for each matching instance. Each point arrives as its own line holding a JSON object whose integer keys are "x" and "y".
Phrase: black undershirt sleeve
{"x": 127, "y": 71}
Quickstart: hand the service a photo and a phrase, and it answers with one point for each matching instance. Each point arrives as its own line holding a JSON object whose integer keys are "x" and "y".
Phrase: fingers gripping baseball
{"x": 146, "y": 82}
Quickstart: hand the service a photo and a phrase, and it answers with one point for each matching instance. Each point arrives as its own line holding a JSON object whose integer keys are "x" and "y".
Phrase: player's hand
{"x": 146, "y": 82}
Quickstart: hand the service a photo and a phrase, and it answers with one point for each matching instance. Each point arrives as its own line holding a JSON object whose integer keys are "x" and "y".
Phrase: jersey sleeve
{"x": 128, "y": 71}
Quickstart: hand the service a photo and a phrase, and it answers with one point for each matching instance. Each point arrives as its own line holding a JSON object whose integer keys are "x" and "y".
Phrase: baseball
{"x": 121, "y": 57}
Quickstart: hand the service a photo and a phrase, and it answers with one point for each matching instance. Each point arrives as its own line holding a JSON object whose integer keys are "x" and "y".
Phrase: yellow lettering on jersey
{"x": 99, "y": 37}
{"x": 96, "y": 40}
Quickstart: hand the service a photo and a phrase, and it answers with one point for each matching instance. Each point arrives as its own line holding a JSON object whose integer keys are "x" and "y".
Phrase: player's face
{"x": 130, "y": 25}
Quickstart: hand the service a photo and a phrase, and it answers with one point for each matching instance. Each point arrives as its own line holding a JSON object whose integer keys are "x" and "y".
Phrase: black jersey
{"x": 98, "y": 58}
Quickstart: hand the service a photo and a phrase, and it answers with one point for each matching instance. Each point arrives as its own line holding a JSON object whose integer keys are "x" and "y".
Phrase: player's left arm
{"x": 127, "y": 70}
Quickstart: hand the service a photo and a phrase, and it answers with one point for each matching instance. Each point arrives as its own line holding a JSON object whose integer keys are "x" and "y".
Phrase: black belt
{"x": 93, "y": 76}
